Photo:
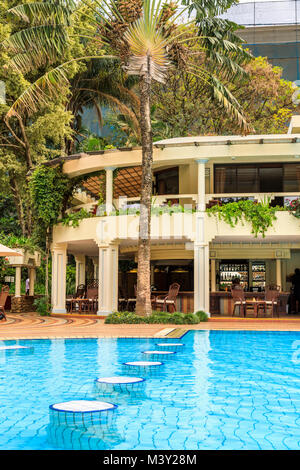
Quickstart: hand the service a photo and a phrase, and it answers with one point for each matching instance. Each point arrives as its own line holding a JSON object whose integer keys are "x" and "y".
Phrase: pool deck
{"x": 33, "y": 326}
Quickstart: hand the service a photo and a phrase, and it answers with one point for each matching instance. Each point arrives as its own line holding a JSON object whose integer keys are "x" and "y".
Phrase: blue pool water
{"x": 223, "y": 390}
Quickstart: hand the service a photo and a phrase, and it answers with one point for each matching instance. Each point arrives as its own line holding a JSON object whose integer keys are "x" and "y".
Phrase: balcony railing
{"x": 189, "y": 201}
{"x": 281, "y": 199}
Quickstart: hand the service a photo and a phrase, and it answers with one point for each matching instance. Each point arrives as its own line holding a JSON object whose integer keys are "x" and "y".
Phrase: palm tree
{"x": 147, "y": 38}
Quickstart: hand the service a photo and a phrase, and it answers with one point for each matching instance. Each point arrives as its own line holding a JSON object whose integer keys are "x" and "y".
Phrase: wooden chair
{"x": 89, "y": 303}
{"x": 122, "y": 300}
{"x": 169, "y": 300}
{"x": 74, "y": 303}
{"x": 92, "y": 299}
{"x": 132, "y": 301}
{"x": 271, "y": 299}
{"x": 3, "y": 296}
{"x": 238, "y": 296}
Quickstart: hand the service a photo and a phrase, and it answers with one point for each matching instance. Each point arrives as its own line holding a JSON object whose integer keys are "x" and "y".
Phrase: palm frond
{"x": 229, "y": 103}
{"x": 44, "y": 88}
{"x": 40, "y": 38}
{"x": 225, "y": 66}
{"x": 37, "y": 13}
{"x": 147, "y": 46}
{"x": 208, "y": 8}
{"x": 115, "y": 104}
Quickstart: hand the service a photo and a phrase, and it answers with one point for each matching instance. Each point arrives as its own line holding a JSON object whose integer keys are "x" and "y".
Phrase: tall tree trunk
{"x": 143, "y": 300}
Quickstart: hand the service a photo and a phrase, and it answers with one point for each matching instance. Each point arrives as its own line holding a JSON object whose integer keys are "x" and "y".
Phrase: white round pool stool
{"x": 150, "y": 367}
{"x": 120, "y": 384}
{"x": 159, "y": 354}
{"x": 82, "y": 413}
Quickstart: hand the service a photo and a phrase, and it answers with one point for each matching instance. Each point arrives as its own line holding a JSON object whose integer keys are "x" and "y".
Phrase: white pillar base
{"x": 59, "y": 310}
{"x": 102, "y": 313}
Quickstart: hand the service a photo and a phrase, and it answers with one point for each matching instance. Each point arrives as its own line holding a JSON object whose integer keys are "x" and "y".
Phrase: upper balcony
{"x": 190, "y": 175}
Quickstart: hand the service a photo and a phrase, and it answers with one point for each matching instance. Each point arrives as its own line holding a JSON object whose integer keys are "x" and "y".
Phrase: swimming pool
{"x": 222, "y": 390}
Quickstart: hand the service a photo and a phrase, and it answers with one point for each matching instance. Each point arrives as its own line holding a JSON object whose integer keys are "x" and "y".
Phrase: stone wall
{"x": 22, "y": 304}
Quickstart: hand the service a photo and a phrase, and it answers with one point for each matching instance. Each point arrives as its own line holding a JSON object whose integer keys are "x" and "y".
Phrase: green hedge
{"x": 176, "y": 318}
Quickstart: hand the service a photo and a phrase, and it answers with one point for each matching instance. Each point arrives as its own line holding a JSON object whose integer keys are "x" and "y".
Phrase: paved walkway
{"x": 31, "y": 325}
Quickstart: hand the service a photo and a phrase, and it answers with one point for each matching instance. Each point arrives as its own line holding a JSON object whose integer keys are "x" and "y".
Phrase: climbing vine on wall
{"x": 50, "y": 189}
{"x": 260, "y": 215}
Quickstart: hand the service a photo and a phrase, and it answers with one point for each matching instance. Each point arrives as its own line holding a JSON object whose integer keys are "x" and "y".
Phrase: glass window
{"x": 225, "y": 179}
{"x": 247, "y": 179}
{"x": 291, "y": 181}
{"x": 265, "y": 178}
{"x": 271, "y": 179}
{"x": 167, "y": 181}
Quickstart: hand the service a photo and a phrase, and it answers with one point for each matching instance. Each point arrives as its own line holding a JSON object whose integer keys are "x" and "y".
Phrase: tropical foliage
{"x": 146, "y": 39}
{"x": 183, "y": 105}
{"x": 259, "y": 214}
{"x": 176, "y": 318}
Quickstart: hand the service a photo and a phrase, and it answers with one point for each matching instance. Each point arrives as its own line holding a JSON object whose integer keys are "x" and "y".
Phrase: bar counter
{"x": 222, "y": 303}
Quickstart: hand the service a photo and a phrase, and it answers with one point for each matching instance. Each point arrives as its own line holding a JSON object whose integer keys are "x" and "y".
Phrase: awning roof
{"x": 126, "y": 183}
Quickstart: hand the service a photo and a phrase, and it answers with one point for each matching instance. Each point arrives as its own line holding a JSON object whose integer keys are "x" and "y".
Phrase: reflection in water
{"x": 87, "y": 438}
{"x": 132, "y": 397}
{"x": 56, "y": 360}
{"x": 200, "y": 386}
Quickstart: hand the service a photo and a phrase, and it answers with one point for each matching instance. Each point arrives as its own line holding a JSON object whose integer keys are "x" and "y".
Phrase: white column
{"x": 201, "y": 184}
{"x": 108, "y": 279}
{"x": 213, "y": 274}
{"x": 201, "y": 247}
{"x": 18, "y": 282}
{"x": 59, "y": 263}
{"x": 109, "y": 189}
{"x": 31, "y": 280}
{"x": 278, "y": 272}
{"x": 201, "y": 278}
{"x": 80, "y": 269}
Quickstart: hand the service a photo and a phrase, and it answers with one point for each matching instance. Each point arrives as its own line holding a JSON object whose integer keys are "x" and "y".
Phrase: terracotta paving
{"x": 31, "y": 325}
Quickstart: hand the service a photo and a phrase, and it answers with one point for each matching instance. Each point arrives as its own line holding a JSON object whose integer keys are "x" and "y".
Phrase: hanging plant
{"x": 260, "y": 215}
{"x": 294, "y": 208}
{"x": 74, "y": 218}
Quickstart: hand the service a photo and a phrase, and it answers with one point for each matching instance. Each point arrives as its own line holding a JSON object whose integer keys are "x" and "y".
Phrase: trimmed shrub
{"x": 125, "y": 317}
{"x": 202, "y": 316}
{"x": 156, "y": 317}
{"x": 42, "y": 306}
{"x": 191, "y": 319}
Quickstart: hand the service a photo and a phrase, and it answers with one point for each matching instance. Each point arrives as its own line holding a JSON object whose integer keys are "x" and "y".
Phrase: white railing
{"x": 185, "y": 199}
{"x": 259, "y": 197}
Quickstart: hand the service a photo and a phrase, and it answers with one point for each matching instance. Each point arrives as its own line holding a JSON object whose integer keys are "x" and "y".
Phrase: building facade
{"x": 271, "y": 29}
{"x": 188, "y": 245}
